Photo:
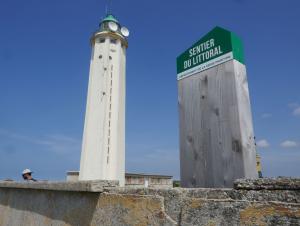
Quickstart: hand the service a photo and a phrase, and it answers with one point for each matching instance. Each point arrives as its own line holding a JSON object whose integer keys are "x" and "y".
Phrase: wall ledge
{"x": 280, "y": 183}
{"x": 85, "y": 186}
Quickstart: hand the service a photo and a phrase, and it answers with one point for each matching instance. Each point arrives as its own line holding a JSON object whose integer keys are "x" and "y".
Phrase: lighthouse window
{"x": 110, "y": 57}
{"x": 100, "y": 57}
{"x": 113, "y": 41}
{"x": 102, "y": 40}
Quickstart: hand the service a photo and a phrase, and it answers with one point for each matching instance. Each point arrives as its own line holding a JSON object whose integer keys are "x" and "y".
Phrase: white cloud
{"x": 262, "y": 144}
{"x": 293, "y": 105}
{"x": 289, "y": 144}
{"x": 296, "y": 111}
{"x": 61, "y": 144}
{"x": 266, "y": 115}
{"x": 58, "y": 143}
{"x": 295, "y": 108}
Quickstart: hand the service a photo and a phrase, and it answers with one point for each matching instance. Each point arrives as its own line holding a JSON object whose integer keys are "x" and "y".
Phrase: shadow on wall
{"x": 60, "y": 208}
{"x": 40, "y": 207}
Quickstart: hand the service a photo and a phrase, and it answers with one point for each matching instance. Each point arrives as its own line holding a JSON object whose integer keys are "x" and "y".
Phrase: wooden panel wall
{"x": 216, "y": 134}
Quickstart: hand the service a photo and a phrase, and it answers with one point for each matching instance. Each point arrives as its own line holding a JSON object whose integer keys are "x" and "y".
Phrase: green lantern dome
{"x": 110, "y": 17}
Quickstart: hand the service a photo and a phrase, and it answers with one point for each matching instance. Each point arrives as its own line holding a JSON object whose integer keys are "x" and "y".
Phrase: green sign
{"x": 216, "y": 47}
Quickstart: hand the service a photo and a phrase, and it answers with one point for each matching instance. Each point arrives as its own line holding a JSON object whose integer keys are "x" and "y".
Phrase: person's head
{"x": 26, "y": 174}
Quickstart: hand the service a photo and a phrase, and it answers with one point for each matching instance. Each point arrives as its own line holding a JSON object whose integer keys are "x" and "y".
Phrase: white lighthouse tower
{"x": 103, "y": 146}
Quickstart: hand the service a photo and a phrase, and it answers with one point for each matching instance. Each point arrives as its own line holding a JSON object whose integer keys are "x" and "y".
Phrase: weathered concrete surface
{"x": 281, "y": 183}
{"x": 127, "y": 206}
{"x": 89, "y": 186}
{"x": 217, "y": 143}
{"x": 58, "y": 208}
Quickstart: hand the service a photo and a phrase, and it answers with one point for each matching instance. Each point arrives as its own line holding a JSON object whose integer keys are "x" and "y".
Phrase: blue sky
{"x": 44, "y": 65}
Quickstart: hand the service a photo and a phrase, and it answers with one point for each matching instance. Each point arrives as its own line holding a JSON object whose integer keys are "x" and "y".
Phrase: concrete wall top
{"x": 280, "y": 183}
{"x": 87, "y": 186}
{"x": 255, "y": 202}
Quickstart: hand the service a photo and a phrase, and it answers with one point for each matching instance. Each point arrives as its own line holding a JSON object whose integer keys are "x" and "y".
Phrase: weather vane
{"x": 108, "y": 6}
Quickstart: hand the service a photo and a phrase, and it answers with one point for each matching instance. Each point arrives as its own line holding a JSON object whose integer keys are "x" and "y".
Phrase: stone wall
{"x": 251, "y": 202}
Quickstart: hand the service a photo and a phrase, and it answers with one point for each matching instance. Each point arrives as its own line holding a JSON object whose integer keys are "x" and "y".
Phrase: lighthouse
{"x": 103, "y": 145}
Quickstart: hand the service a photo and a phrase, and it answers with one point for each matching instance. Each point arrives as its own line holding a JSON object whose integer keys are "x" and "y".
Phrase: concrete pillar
{"x": 216, "y": 133}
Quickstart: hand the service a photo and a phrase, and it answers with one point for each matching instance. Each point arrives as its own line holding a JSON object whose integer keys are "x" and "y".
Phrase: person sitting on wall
{"x": 26, "y": 174}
